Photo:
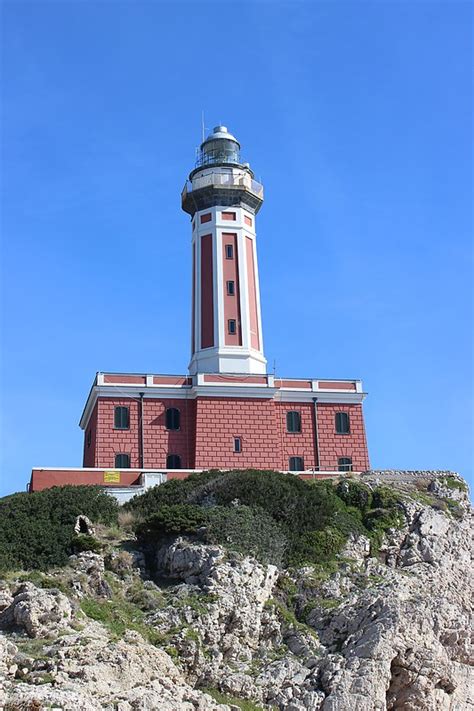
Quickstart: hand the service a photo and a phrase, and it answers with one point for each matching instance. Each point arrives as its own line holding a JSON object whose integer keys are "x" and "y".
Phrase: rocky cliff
{"x": 384, "y": 626}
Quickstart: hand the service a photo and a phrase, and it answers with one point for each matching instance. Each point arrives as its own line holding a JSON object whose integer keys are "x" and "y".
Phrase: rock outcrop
{"x": 385, "y": 629}
{"x": 38, "y": 612}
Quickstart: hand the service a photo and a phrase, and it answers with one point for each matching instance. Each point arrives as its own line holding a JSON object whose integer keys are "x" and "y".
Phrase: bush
{"x": 247, "y": 530}
{"x": 384, "y": 498}
{"x": 354, "y": 494}
{"x": 84, "y": 542}
{"x": 316, "y": 546}
{"x": 274, "y": 516}
{"x": 36, "y": 530}
{"x": 171, "y": 518}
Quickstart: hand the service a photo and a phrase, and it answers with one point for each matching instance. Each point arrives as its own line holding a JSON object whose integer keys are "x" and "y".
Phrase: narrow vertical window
{"x": 344, "y": 464}
{"x": 172, "y": 418}
{"x": 230, "y": 288}
{"x": 293, "y": 421}
{"x": 122, "y": 418}
{"x": 296, "y": 464}
{"x": 342, "y": 423}
{"x": 229, "y": 251}
{"x": 231, "y": 325}
{"x": 122, "y": 461}
{"x": 237, "y": 445}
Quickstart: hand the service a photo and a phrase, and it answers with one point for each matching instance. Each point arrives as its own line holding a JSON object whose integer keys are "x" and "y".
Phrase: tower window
{"x": 229, "y": 251}
{"x": 232, "y": 325}
{"x": 296, "y": 464}
{"x": 122, "y": 461}
{"x": 172, "y": 418}
{"x": 293, "y": 421}
{"x": 173, "y": 461}
{"x": 344, "y": 464}
{"x": 122, "y": 418}
{"x": 237, "y": 445}
{"x": 231, "y": 288}
{"x": 342, "y": 423}
{"x": 206, "y": 218}
{"x": 248, "y": 220}
{"x": 228, "y": 215}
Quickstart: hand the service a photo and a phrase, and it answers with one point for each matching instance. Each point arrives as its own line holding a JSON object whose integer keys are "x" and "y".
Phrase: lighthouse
{"x": 223, "y": 198}
{"x": 227, "y": 412}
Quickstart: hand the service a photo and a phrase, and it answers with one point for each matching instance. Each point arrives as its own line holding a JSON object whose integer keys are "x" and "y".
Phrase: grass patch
{"x": 243, "y": 704}
{"x": 453, "y": 483}
{"x": 34, "y": 648}
{"x": 120, "y": 615}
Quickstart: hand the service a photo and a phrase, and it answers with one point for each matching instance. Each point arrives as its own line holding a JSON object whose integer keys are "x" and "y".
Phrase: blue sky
{"x": 357, "y": 118}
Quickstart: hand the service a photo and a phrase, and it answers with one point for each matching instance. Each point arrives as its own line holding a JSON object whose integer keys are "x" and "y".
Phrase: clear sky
{"x": 357, "y": 118}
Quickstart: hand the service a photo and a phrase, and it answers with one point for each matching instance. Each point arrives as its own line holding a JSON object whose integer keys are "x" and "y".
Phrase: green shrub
{"x": 384, "y": 498}
{"x": 274, "y": 516}
{"x": 174, "y": 491}
{"x": 382, "y": 519}
{"x": 84, "y": 542}
{"x": 247, "y": 530}
{"x": 36, "y": 529}
{"x": 354, "y": 494}
{"x": 171, "y": 518}
{"x": 316, "y": 546}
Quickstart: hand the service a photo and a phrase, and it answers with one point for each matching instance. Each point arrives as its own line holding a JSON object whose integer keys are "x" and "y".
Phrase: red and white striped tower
{"x": 223, "y": 198}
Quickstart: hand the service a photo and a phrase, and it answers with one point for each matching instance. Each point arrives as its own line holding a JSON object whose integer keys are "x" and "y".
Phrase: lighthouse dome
{"x": 219, "y": 147}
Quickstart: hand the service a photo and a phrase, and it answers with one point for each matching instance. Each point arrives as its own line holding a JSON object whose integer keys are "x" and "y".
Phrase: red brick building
{"x": 228, "y": 412}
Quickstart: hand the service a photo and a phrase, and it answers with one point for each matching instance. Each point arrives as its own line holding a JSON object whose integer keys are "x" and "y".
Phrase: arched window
{"x": 344, "y": 464}
{"x": 122, "y": 418}
{"x": 342, "y": 423}
{"x": 173, "y": 461}
{"x": 172, "y": 418}
{"x": 296, "y": 464}
{"x": 293, "y": 421}
{"x": 122, "y": 461}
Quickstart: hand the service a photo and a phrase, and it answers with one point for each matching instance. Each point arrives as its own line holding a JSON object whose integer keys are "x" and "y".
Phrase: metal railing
{"x": 224, "y": 180}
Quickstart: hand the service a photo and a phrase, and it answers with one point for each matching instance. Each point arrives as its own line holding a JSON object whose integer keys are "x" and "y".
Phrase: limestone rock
{"x": 39, "y": 612}
{"x": 90, "y": 568}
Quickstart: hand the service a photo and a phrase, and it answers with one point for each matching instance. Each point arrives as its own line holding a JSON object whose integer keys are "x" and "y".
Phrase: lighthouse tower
{"x": 223, "y": 199}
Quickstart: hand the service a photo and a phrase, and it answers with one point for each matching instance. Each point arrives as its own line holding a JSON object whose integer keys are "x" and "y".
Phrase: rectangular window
{"x": 122, "y": 418}
{"x": 231, "y": 288}
{"x": 232, "y": 325}
{"x": 122, "y": 461}
{"x": 206, "y": 218}
{"x": 228, "y": 215}
{"x": 229, "y": 251}
{"x": 344, "y": 464}
{"x": 342, "y": 423}
{"x": 248, "y": 220}
{"x": 237, "y": 445}
{"x": 293, "y": 421}
{"x": 296, "y": 464}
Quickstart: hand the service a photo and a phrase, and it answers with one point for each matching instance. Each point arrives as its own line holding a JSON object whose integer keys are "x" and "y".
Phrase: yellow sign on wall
{"x": 111, "y": 477}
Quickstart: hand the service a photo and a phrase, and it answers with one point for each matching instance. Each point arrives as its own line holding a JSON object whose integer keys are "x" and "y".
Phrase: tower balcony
{"x": 221, "y": 189}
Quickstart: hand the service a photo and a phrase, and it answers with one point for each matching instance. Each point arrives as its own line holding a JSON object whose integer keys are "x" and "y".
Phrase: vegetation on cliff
{"x": 276, "y": 517}
{"x": 37, "y": 530}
